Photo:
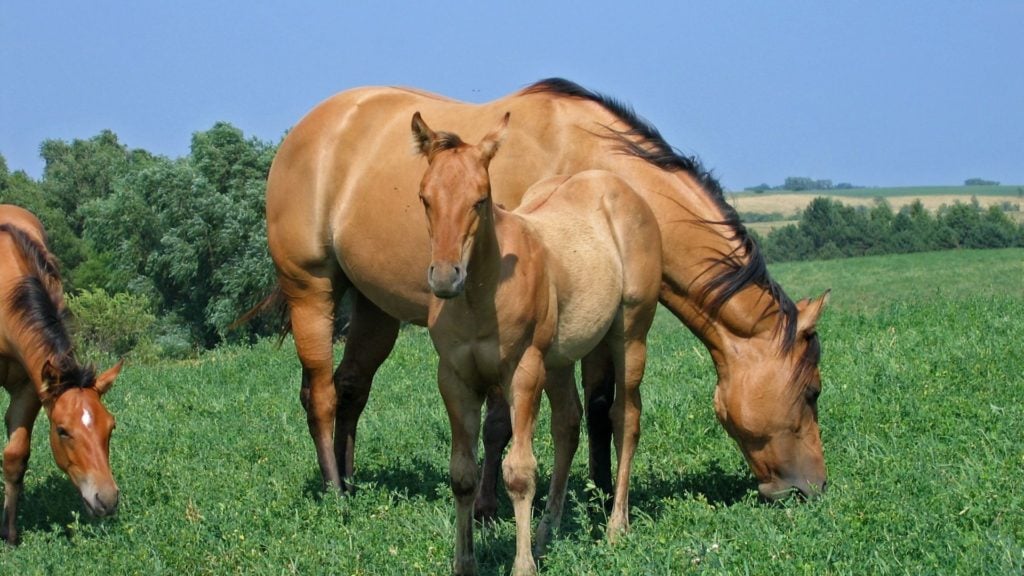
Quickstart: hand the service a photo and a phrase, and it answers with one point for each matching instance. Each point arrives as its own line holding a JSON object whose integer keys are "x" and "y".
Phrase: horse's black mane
{"x": 739, "y": 268}
{"x": 34, "y": 301}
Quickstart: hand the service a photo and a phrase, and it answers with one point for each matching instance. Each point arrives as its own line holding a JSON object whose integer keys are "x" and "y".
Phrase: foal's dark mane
{"x": 38, "y": 301}
{"x": 735, "y": 270}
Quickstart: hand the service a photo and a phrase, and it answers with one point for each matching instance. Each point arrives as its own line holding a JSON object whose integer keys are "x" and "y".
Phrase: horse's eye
{"x": 812, "y": 394}
{"x": 63, "y": 433}
{"x": 480, "y": 204}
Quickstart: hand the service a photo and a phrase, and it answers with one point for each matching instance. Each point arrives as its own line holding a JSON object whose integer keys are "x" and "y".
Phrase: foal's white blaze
{"x": 86, "y": 418}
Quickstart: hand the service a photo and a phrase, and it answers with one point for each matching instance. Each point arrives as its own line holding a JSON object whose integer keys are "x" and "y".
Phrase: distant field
{"x": 791, "y": 204}
{"x": 921, "y": 415}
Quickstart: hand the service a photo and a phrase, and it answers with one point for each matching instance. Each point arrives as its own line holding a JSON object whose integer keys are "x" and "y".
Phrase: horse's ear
{"x": 490, "y": 144}
{"x": 106, "y": 380}
{"x": 423, "y": 136}
{"x": 809, "y": 311}
{"x": 50, "y": 378}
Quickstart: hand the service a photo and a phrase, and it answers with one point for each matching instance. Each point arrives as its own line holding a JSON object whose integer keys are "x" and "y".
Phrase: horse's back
{"x": 342, "y": 191}
{"x": 13, "y": 267}
{"x": 24, "y": 220}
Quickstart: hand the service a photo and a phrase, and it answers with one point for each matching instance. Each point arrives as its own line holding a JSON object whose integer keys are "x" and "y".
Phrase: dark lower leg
{"x": 371, "y": 337}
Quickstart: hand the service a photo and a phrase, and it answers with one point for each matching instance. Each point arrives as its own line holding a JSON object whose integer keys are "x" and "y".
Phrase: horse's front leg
{"x": 371, "y": 337}
{"x": 21, "y": 415}
{"x": 520, "y": 466}
{"x": 565, "y": 434}
{"x": 497, "y": 433}
{"x": 462, "y": 402}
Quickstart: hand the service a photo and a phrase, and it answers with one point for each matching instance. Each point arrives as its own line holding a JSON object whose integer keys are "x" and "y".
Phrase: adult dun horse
{"x": 521, "y": 296}
{"x": 39, "y": 370}
{"x": 343, "y": 214}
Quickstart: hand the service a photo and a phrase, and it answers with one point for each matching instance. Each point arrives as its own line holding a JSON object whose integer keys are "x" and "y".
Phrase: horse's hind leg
{"x": 497, "y": 433}
{"x": 311, "y": 301}
{"x": 371, "y": 337}
{"x": 565, "y": 433}
{"x": 630, "y": 357}
{"x": 598, "y": 373}
{"x": 21, "y": 415}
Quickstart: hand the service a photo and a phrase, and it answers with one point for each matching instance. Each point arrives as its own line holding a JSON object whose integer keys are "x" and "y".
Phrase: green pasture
{"x": 923, "y": 373}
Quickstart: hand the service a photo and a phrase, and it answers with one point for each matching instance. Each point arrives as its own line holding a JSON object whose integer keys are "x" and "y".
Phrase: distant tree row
{"x": 802, "y": 183}
{"x": 980, "y": 182}
{"x": 829, "y": 229}
{"x": 185, "y": 238}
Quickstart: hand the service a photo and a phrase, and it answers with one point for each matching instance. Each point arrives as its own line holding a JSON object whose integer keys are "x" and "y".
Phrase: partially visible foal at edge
{"x": 521, "y": 296}
{"x": 39, "y": 370}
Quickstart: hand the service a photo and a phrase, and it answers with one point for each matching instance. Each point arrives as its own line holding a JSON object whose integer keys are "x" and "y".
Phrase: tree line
{"x": 158, "y": 253}
{"x": 159, "y": 256}
{"x": 829, "y": 229}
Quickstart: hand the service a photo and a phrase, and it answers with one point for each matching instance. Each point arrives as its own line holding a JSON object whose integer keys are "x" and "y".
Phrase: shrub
{"x": 110, "y": 325}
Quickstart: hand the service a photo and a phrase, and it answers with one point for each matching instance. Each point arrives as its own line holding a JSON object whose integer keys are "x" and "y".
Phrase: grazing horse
{"x": 39, "y": 370}
{"x": 342, "y": 215}
{"x": 520, "y": 297}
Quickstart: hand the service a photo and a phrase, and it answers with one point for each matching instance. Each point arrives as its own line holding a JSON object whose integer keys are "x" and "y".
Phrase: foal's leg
{"x": 497, "y": 433}
{"x": 21, "y": 415}
{"x": 371, "y": 337}
{"x": 311, "y": 302}
{"x": 565, "y": 433}
{"x": 598, "y": 372}
{"x": 630, "y": 355}
{"x": 462, "y": 403}
{"x": 520, "y": 466}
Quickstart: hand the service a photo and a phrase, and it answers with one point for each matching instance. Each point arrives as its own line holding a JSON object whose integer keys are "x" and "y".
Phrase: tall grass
{"x": 921, "y": 410}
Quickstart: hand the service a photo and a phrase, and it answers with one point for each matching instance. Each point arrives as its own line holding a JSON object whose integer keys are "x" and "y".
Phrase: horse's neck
{"x": 695, "y": 240}
{"x": 27, "y": 351}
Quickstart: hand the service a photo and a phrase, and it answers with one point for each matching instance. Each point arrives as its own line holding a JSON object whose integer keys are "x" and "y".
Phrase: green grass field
{"x": 921, "y": 416}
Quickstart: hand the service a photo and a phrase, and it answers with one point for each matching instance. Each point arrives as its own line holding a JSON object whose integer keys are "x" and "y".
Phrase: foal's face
{"x": 769, "y": 405}
{"x": 80, "y": 429}
{"x": 456, "y": 194}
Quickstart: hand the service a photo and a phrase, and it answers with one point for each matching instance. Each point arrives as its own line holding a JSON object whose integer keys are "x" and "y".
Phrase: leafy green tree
{"x": 85, "y": 170}
{"x": 190, "y": 233}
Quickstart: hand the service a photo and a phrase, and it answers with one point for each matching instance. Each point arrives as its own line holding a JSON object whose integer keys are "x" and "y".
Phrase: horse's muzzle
{"x": 102, "y": 503}
{"x": 781, "y": 490}
{"x": 446, "y": 280}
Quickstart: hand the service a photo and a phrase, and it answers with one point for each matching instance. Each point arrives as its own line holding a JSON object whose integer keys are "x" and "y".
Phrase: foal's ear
{"x": 422, "y": 135}
{"x": 490, "y": 144}
{"x": 106, "y": 380}
{"x": 809, "y": 311}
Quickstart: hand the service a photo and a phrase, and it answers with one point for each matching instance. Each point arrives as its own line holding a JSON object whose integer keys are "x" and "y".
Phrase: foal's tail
{"x": 274, "y": 303}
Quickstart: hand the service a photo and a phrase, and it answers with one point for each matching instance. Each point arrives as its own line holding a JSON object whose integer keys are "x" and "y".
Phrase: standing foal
{"x": 520, "y": 297}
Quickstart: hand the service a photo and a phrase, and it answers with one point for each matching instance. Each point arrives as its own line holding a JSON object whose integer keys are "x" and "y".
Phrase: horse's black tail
{"x": 273, "y": 303}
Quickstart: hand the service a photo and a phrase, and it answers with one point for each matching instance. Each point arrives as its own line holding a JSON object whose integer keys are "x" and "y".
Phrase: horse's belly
{"x": 589, "y": 298}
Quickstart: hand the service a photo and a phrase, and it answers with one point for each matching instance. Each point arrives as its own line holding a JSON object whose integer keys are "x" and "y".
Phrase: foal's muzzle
{"x": 446, "y": 280}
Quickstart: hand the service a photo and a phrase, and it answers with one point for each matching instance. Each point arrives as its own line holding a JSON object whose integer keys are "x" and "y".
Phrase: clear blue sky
{"x": 874, "y": 93}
